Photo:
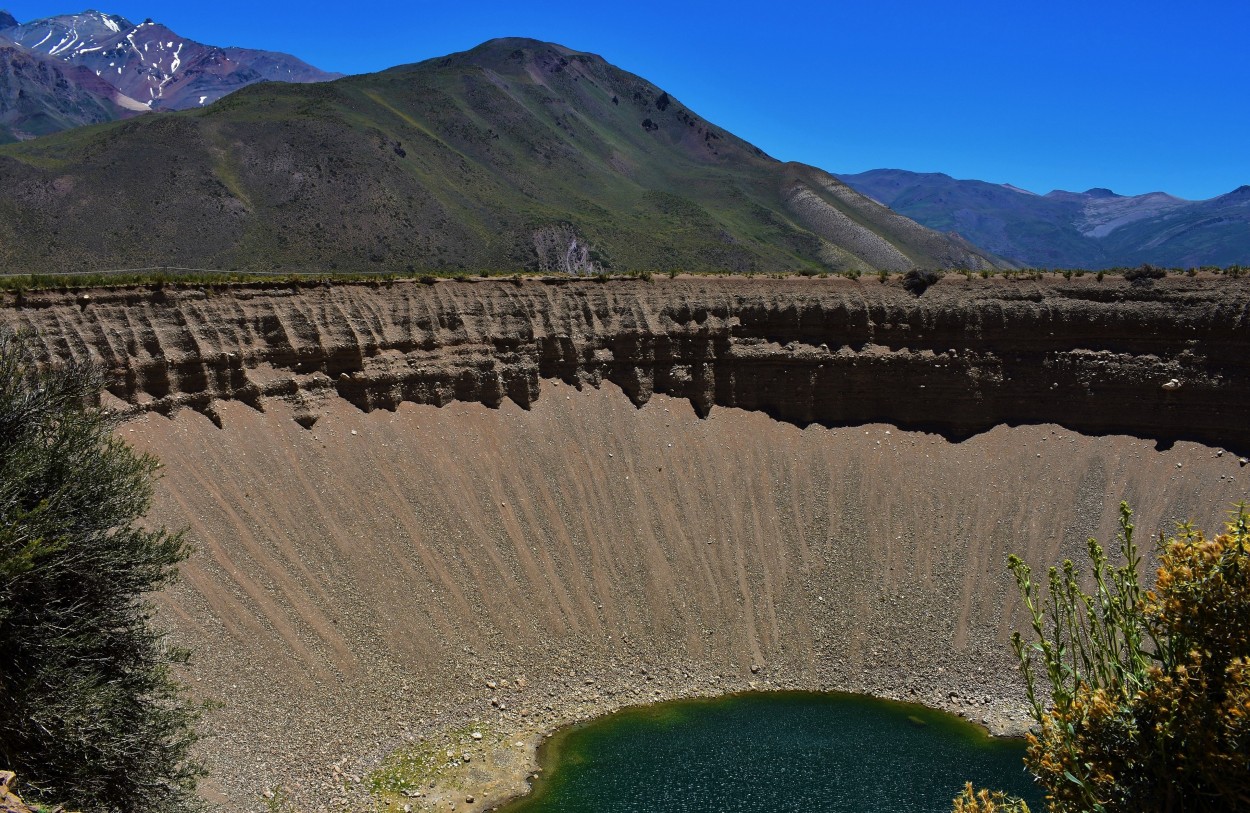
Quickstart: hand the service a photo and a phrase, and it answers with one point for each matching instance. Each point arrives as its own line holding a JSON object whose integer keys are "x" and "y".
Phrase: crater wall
{"x": 415, "y": 506}
{"x": 965, "y": 356}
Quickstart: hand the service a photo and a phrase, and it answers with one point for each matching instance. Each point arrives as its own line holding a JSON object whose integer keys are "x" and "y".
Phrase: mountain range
{"x": 67, "y": 71}
{"x": 1092, "y": 229}
{"x": 516, "y": 154}
{"x": 74, "y": 69}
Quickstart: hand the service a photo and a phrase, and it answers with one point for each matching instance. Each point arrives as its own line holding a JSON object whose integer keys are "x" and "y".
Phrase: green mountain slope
{"x": 514, "y": 155}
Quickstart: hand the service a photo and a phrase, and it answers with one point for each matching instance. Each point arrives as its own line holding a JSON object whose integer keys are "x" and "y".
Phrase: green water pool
{"x": 769, "y": 752}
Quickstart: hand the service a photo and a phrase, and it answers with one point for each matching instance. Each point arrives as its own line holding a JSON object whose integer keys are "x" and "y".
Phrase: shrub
{"x": 1144, "y": 272}
{"x": 89, "y": 714}
{"x": 918, "y": 280}
{"x": 1149, "y": 691}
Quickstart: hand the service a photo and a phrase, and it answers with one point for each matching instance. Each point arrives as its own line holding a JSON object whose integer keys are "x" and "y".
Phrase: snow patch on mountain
{"x": 149, "y": 61}
{"x": 1102, "y": 215}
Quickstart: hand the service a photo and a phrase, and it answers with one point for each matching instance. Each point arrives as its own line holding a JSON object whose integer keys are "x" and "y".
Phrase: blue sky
{"x": 1134, "y": 96}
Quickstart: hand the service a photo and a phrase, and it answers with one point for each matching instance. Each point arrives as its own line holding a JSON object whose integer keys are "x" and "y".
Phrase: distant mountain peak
{"x": 152, "y": 64}
{"x": 502, "y": 52}
{"x": 1097, "y": 228}
{"x": 7, "y": 20}
{"x": 516, "y": 42}
{"x": 512, "y": 44}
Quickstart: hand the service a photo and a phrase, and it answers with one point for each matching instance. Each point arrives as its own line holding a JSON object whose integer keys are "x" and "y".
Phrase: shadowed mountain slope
{"x": 1092, "y": 229}
{"x": 517, "y": 154}
{"x": 39, "y": 95}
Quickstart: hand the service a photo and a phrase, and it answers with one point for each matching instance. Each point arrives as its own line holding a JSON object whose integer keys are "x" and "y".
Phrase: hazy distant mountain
{"x": 151, "y": 63}
{"x": 40, "y": 95}
{"x": 1092, "y": 229}
{"x": 516, "y": 154}
{"x": 6, "y": 20}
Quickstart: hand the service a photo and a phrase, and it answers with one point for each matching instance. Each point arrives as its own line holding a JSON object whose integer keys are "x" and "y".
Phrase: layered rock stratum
{"x": 515, "y": 505}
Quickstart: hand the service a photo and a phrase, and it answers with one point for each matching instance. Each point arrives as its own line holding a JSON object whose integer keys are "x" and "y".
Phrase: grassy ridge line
{"x": 154, "y": 269}
{"x": 162, "y": 275}
{"x": 175, "y": 275}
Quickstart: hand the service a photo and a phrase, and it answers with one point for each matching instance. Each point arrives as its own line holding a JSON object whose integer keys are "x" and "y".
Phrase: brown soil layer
{"x": 359, "y": 585}
{"x": 965, "y": 356}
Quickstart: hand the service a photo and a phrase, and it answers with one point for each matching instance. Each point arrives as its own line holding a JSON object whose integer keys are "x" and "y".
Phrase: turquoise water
{"x": 765, "y": 753}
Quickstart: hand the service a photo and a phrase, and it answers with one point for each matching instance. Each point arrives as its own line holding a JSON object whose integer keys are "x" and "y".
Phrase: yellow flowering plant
{"x": 1141, "y": 697}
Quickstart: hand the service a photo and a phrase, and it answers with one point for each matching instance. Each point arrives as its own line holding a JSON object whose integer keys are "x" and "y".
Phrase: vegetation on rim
{"x": 159, "y": 276}
{"x": 1149, "y": 690}
{"x": 89, "y": 713}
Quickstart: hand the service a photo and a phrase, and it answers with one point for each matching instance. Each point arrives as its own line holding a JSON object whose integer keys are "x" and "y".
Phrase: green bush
{"x": 918, "y": 280}
{"x": 89, "y": 713}
{"x": 1144, "y": 272}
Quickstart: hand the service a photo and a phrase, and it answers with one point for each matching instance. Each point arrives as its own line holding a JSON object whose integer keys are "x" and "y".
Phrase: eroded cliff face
{"x": 963, "y": 357}
{"x": 415, "y": 505}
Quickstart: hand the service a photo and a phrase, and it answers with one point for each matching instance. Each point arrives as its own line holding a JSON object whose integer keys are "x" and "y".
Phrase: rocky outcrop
{"x": 9, "y": 801}
{"x": 963, "y": 357}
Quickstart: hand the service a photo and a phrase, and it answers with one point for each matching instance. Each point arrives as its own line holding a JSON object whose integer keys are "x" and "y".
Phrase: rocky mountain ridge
{"x": 154, "y": 65}
{"x": 1092, "y": 229}
{"x": 66, "y": 71}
